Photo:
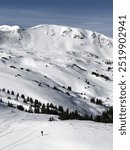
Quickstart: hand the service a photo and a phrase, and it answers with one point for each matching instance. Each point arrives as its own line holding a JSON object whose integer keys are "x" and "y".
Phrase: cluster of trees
{"x": 108, "y": 62}
{"x": 96, "y": 101}
{"x": 64, "y": 114}
{"x": 103, "y": 76}
{"x": 106, "y": 117}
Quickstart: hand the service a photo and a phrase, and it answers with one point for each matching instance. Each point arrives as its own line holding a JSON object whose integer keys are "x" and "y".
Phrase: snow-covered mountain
{"x": 61, "y": 65}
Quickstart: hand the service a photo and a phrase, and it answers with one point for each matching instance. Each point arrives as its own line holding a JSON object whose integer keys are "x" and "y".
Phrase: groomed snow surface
{"x": 22, "y": 131}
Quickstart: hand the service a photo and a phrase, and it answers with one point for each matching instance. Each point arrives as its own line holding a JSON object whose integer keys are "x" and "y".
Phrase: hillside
{"x": 56, "y": 64}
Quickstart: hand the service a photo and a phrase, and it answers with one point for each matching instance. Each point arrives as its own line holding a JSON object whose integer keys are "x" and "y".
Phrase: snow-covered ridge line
{"x": 38, "y": 38}
{"x": 9, "y": 28}
{"x": 69, "y": 28}
{"x": 56, "y": 28}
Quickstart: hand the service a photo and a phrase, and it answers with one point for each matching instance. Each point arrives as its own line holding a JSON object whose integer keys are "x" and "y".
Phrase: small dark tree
{"x": 3, "y": 90}
{"x": 43, "y": 108}
{"x": 24, "y": 101}
{"x": 36, "y": 110}
{"x": 60, "y": 109}
{"x": 69, "y": 88}
{"x": 92, "y": 100}
{"x": 30, "y": 109}
{"x": 12, "y": 92}
{"x": 37, "y": 103}
{"x": 17, "y": 96}
{"x": 10, "y": 104}
{"x": 51, "y": 119}
{"x": 8, "y": 97}
{"x": 51, "y": 105}
{"x": 91, "y": 117}
{"x": 8, "y": 91}
{"x": 28, "y": 99}
{"x": 22, "y": 96}
{"x": 47, "y": 108}
{"x": 20, "y": 107}
{"x": 31, "y": 100}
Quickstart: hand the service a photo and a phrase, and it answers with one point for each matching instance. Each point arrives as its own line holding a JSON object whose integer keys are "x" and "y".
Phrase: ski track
{"x": 23, "y": 132}
{"x": 15, "y": 142}
{"x": 31, "y": 139}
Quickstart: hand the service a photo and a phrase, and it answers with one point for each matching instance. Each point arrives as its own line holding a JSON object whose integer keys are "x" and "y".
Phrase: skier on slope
{"x": 41, "y": 133}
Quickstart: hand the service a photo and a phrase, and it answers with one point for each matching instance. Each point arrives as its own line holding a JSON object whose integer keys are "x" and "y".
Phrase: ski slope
{"x": 21, "y": 131}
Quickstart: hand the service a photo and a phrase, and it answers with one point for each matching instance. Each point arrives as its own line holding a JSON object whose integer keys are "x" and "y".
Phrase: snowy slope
{"x": 21, "y": 131}
{"x": 35, "y": 60}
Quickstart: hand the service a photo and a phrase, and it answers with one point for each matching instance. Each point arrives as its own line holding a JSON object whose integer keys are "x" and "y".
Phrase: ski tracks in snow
{"x": 17, "y": 142}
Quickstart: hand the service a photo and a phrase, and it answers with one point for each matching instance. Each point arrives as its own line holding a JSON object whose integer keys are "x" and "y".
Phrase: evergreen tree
{"x": 3, "y": 90}
{"x": 30, "y": 109}
{"x": 92, "y": 100}
{"x": 8, "y": 91}
{"x": 69, "y": 88}
{"x": 28, "y": 99}
{"x": 17, "y": 96}
{"x": 36, "y": 110}
{"x": 43, "y": 108}
{"x": 47, "y": 108}
{"x": 24, "y": 101}
{"x": 31, "y": 100}
{"x": 12, "y": 92}
{"x": 60, "y": 108}
{"x": 22, "y": 96}
{"x": 20, "y": 107}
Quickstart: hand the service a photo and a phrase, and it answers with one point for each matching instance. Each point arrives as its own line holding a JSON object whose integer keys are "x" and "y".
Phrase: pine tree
{"x": 69, "y": 88}
{"x": 8, "y": 91}
{"x": 31, "y": 100}
{"x": 36, "y": 110}
{"x": 12, "y": 92}
{"x": 60, "y": 109}
{"x": 20, "y": 107}
{"x": 3, "y": 90}
{"x": 92, "y": 100}
{"x": 43, "y": 108}
{"x": 28, "y": 99}
{"x": 24, "y": 101}
{"x": 22, "y": 96}
{"x": 17, "y": 96}
{"x": 30, "y": 109}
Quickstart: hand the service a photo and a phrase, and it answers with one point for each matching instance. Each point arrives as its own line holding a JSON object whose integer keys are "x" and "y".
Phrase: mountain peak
{"x": 9, "y": 28}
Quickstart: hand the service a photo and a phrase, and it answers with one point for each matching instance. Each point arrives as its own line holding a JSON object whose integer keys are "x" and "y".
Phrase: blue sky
{"x": 94, "y": 15}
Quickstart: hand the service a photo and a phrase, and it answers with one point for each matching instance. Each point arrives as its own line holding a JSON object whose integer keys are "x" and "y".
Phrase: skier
{"x": 41, "y": 133}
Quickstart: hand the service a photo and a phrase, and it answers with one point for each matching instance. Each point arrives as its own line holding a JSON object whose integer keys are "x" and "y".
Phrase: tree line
{"x": 35, "y": 106}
